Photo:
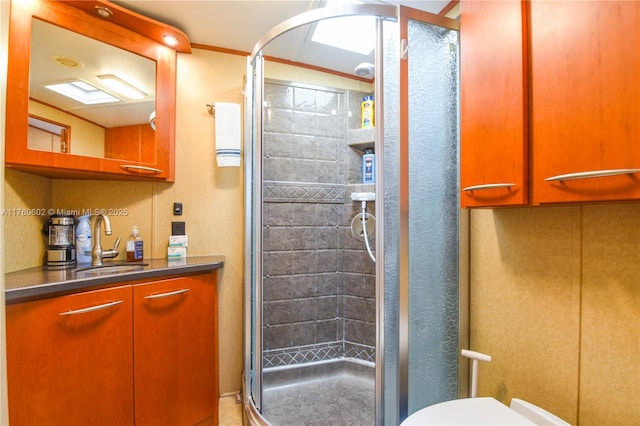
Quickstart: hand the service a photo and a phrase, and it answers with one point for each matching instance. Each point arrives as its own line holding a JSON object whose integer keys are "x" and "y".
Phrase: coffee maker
{"x": 61, "y": 251}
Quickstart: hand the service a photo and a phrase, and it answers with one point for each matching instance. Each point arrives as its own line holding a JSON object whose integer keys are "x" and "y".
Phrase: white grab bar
{"x": 475, "y": 357}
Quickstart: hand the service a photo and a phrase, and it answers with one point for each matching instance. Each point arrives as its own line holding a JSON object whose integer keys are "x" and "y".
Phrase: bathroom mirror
{"x": 58, "y": 47}
{"x": 94, "y": 88}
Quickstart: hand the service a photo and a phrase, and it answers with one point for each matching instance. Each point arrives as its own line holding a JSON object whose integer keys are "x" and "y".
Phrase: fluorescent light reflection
{"x": 82, "y": 91}
{"x": 121, "y": 87}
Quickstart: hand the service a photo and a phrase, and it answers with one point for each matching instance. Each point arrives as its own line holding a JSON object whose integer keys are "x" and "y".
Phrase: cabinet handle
{"x": 592, "y": 174}
{"x": 487, "y": 186}
{"x": 140, "y": 168}
{"x": 92, "y": 308}
{"x": 167, "y": 294}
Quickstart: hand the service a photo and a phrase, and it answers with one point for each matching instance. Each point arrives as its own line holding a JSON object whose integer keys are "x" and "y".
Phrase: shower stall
{"x": 332, "y": 336}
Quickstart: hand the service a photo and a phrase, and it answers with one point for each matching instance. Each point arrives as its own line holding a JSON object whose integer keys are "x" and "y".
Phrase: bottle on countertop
{"x": 83, "y": 240}
{"x": 135, "y": 246}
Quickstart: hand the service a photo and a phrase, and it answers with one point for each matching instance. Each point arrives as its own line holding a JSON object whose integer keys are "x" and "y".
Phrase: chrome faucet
{"x": 97, "y": 254}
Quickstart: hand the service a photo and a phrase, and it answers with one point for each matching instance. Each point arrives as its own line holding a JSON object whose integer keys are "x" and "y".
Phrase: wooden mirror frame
{"x": 57, "y": 165}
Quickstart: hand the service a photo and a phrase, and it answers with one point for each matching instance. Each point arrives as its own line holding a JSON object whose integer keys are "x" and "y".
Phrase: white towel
{"x": 228, "y": 126}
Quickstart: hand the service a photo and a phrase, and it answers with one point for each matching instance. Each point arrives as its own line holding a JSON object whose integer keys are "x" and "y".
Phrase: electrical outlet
{"x": 178, "y": 228}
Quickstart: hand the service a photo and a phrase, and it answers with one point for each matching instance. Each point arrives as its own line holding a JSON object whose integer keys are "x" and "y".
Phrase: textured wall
{"x": 555, "y": 299}
{"x": 318, "y": 286}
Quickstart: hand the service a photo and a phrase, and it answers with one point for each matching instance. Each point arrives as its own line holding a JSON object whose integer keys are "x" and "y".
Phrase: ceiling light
{"x": 104, "y": 12}
{"x": 121, "y": 87}
{"x": 365, "y": 69}
{"x": 353, "y": 33}
{"x": 152, "y": 120}
{"x": 82, "y": 91}
{"x": 170, "y": 40}
{"x": 67, "y": 61}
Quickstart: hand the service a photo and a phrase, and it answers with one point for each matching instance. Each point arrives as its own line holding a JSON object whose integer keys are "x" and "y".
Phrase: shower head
{"x": 365, "y": 69}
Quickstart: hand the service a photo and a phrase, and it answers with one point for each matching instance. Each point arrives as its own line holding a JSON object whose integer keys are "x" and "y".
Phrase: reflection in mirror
{"x": 104, "y": 95}
{"x": 46, "y": 135}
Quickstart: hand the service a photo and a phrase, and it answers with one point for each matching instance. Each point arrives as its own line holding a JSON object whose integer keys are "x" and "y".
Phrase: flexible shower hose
{"x": 364, "y": 229}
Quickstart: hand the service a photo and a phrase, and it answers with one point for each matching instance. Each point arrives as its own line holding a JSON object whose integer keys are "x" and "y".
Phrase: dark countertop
{"x": 37, "y": 283}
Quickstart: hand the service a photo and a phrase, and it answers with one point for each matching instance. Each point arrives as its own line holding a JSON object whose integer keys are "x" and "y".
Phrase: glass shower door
{"x": 258, "y": 227}
{"x": 252, "y": 383}
{"x": 422, "y": 218}
{"x": 433, "y": 214}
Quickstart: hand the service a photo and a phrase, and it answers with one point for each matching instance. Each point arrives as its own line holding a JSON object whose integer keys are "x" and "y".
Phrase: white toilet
{"x": 482, "y": 411}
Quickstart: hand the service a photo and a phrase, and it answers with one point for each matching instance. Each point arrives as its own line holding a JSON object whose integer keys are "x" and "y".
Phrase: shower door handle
{"x": 404, "y": 49}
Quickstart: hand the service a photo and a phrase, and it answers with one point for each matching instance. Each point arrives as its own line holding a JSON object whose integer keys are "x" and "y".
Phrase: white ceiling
{"x": 239, "y": 24}
{"x": 230, "y": 24}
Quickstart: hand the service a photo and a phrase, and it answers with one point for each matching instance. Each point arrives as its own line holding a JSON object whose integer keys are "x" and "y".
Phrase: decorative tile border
{"x": 303, "y": 192}
{"x": 358, "y": 351}
{"x": 301, "y": 354}
{"x": 320, "y": 352}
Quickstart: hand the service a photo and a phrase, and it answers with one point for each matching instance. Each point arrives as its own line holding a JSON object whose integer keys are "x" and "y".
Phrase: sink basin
{"x": 109, "y": 269}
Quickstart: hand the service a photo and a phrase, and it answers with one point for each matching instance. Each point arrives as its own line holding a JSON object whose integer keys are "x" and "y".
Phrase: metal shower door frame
{"x": 253, "y": 197}
{"x": 253, "y": 203}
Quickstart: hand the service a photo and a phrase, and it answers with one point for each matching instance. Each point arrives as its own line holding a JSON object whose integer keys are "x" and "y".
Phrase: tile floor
{"x": 339, "y": 393}
{"x": 335, "y": 393}
{"x": 338, "y": 400}
{"x": 229, "y": 411}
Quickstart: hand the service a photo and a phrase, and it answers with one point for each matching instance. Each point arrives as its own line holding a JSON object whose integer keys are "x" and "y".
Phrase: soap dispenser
{"x": 135, "y": 247}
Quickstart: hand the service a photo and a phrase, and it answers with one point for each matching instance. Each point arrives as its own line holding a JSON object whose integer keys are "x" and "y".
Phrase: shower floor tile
{"x": 336, "y": 400}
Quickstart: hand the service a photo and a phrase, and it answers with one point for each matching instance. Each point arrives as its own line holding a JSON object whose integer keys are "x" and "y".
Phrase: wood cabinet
{"x": 175, "y": 352}
{"x": 116, "y": 143}
{"x": 69, "y": 359}
{"x": 144, "y": 353}
{"x": 494, "y": 139}
{"x": 128, "y": 34}
{"x": 585, "y": 106}
{"x": 550, "y": 102}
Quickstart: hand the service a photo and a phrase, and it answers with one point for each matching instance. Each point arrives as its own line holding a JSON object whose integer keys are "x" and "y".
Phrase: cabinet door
{"x": 585, "y": 100}
{"x": 175, "y": 351}
{"x": 494, "y": 152}
{"x": 69, "y": 360}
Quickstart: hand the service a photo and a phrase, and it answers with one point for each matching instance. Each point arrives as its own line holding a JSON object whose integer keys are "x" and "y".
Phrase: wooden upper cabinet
{"x": 585, "y": 71}
{"x": 69, "y": 359}
{"x": 494, "y": 146}
{"x": 44, "y": 36}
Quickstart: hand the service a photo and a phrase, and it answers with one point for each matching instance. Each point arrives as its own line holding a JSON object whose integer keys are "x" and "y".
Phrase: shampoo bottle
{"x": 368, "y": 166}
{"x": 135, "y": 248}
{"x": 367, "y": 111}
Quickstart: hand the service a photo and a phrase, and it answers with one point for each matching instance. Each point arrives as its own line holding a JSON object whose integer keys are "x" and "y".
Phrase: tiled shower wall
{"x": 319, "y": 283}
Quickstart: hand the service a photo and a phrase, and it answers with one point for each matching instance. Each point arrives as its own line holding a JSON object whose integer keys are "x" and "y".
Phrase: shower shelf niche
{"x": 358, "y": 187}
{"x": 361, "y": 139}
